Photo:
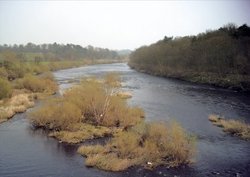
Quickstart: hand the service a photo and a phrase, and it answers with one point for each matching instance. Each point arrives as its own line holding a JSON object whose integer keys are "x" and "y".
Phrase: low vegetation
{"x": 94, "y": 109}
{"x": 234, "y": 127}
{"x": 219, "y": 57}
{"x": 146, "y": 144}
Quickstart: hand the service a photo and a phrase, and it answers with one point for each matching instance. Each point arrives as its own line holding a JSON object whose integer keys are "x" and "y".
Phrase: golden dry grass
{"x": 148, "y": 145}
{"x": 234, "y": 127}
{"x": 16, "y": 104}
{"x": 80, "y": 132}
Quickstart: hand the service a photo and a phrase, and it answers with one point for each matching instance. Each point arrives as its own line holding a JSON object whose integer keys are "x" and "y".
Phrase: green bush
{"x": 5, "y": 88}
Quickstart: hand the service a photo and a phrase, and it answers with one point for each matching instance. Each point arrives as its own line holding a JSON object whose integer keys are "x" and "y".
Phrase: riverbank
{"x": 231, "y": 81}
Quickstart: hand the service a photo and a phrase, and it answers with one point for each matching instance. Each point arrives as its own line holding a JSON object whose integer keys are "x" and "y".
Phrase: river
{"x": 29, "y": 153}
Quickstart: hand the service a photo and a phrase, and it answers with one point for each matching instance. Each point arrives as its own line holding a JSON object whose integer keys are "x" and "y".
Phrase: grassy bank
{"x": 219, "y": 57}
{"x": 234, "y": 127}
{"x": 98, "y": 108}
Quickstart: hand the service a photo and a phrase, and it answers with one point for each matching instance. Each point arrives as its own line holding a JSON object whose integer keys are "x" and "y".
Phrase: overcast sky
{"x": 114, "y": 24}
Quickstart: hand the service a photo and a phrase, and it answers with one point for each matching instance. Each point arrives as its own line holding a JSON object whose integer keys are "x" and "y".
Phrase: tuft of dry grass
{"x": 147, "y": 144}
{"x": 234, "y": 127}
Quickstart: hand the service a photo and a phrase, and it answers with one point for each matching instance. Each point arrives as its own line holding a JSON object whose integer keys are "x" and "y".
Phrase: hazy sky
{"x": 114, "y": 24}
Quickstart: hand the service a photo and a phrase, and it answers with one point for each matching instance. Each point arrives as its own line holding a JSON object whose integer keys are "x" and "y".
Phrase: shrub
{"x": 33, "y": 83}
{"x": 100, "y": 106}
{"x": 37, "y": 84}
{"x": 5, "y": 88}
{"x": 147, "y": 144}
{"x": 56, "y": 115}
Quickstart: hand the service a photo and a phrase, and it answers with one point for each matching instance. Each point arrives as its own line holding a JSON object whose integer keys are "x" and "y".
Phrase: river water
{"x": 29, "y": 153}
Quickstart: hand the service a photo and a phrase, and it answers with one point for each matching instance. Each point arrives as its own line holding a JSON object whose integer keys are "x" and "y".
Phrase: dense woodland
{"x": 219, "y": 57}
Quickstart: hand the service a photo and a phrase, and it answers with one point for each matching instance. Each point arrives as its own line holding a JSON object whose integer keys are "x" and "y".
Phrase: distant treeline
{"x": 59, "y": 52}
{"x": 219, "y": 57}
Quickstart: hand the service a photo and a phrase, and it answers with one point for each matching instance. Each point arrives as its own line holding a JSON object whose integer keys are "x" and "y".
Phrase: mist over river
{"x": 25, "y": 152}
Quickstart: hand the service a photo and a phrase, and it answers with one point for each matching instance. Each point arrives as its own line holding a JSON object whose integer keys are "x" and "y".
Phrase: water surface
{"x": 29, "y": 153}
